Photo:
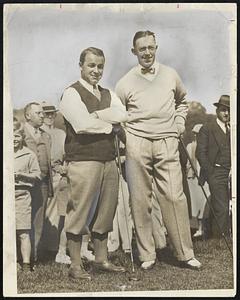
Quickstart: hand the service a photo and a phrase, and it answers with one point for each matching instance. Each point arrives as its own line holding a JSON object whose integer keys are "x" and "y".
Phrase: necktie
{"x": 37, "y": 133}
{"x": 148, "y": 70}
{"x": 227, "y": 128}
{"x": 96, "y": 92}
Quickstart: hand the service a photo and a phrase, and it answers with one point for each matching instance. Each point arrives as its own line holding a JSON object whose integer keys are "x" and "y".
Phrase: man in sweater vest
{"x": 214, "y": 155}
{"x": 155, "y": 100}
{"x": 90, "y": 113}
{"x": 39, "y": 142}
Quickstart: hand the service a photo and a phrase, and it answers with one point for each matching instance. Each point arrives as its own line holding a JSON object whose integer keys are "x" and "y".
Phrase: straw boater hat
{"x": 48, "y": 107}
{"x": 224, "y": 100}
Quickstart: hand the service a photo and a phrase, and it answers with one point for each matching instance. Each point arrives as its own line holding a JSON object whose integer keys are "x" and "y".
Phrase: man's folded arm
{"x": 76, "y": 113}
{"x": 114, "y": 114}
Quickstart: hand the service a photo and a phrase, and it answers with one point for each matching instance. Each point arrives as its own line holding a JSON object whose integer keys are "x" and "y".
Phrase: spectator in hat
{"x": 214, "y": 155}
{"x": 26, "y": 172}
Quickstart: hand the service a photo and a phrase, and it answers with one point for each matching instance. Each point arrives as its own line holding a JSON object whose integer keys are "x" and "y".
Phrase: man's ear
{"x": 156, "y": 47}
{"x": 80, "y": 65}
{"x": 133, "y": 51}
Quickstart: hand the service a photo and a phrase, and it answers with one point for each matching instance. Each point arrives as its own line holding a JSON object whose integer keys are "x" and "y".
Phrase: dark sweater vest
{"x": 97, "y": 147}
{"x": 224, "y": 155}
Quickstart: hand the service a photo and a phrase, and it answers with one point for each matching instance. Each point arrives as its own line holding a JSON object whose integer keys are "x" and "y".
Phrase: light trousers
{"x": 157, "y": 161}
{"x": 94, "y": 195}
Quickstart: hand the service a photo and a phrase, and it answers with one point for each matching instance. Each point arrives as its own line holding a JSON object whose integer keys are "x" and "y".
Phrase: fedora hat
{"x": 224, "y": 100}
{"x": 48, "y": 107}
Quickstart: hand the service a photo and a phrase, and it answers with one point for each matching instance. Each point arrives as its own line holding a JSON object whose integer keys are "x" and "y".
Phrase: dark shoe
{"x": 78, "y": 273}
{"x": 192, "y": 264}
{"x": 108, "y": 267}
{"x": 26, "y": 267}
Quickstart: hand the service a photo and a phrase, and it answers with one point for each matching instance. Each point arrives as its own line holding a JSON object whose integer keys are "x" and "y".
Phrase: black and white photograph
{"x": 119, "y": 137}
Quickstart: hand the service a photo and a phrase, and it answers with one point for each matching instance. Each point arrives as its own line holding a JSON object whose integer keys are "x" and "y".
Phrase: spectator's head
{"x": 223, "y": 108}
{"x": 33, "y": 114}
{"x": 91, "y": 64}
{"x": 145, "y": 47}
{"x": 50, "y": 113}
{"x": 18, "y": 134}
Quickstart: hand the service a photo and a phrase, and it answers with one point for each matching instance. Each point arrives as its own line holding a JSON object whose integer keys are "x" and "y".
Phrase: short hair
{"x": 92, "y": 50}
{"x": 141, "y": 34}
{"x": 28, "y": 107}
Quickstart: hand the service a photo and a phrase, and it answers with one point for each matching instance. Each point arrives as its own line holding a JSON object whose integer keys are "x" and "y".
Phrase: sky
{"x": 44, "y": 43}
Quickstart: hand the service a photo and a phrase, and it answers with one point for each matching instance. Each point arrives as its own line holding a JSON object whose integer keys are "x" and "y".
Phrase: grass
{"x": 217, "y": 273}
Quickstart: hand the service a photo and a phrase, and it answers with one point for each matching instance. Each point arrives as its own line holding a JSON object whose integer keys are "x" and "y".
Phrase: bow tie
{"x": 148, "y": 70}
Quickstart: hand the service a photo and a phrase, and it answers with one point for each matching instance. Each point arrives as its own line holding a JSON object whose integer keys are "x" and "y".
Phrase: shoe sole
{"x": 148, "y": 268}
{"x": 79, "y": 278}
{"x": 185, "y": 266}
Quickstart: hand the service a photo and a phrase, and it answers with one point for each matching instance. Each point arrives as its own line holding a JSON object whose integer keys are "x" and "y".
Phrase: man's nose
{"x": 96, "y": 70}
{"x": 147, "y": 51}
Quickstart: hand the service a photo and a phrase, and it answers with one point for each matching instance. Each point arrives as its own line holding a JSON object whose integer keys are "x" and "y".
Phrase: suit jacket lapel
{"x": 218, "y": 133}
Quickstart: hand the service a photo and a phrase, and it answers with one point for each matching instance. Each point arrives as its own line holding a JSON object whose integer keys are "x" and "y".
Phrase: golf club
{"x": 132, "y": 276}
{"x": 196, "y": 174}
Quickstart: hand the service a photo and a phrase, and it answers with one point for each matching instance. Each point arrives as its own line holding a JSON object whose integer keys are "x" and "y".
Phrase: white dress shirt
{"x": 76, "y": 113}
{"x": 221, "y": 125}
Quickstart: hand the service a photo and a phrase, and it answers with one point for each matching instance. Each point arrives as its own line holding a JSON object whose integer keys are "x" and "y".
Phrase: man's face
{"x": 92, "y": 68}
{"x": 17, "y": 140}
{"x": 35, "y": 115}
{"x": 49, "y": 118}
{"x": 223, "y": 113}
{"x": 145, "y": 50}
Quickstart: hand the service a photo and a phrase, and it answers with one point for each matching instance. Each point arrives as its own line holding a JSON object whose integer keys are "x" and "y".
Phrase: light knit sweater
{"x": 155, "y": 107}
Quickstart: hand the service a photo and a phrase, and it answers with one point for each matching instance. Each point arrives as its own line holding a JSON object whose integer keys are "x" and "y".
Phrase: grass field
{"x": 217, "y": 273}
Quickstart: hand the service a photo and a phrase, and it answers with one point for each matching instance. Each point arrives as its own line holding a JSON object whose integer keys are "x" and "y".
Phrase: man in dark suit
{"x": 39, "y": 142}
{"x": 214, "y": 155}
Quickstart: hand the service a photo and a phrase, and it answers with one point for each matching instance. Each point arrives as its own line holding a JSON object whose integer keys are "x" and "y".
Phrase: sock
{"x": 100, "y": 246}
{"x": 74, "y": 246}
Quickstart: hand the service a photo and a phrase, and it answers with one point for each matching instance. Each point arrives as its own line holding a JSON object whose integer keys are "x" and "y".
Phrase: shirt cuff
{"x": 180, "y": 120}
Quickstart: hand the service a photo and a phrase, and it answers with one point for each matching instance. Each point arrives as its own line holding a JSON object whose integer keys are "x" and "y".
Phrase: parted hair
{"x": 28, "y": 107}
{"x": 141, "y": 34}
{"x": 92, "y": 50}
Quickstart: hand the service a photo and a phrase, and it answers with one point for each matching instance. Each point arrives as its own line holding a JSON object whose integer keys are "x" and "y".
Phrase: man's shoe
{"x": 147, "y": 265}
{"x": 26, "y": 267}
{"x": 108, "y": 267}
{"x": 87, "y": 255}
{"x": 192, "y": 264}
{"x": 78, "y": 273}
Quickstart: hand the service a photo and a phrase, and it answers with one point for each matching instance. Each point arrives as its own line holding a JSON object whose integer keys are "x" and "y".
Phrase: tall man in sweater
{"x": 90, "y": 112}
{"x": 155, "y": 100}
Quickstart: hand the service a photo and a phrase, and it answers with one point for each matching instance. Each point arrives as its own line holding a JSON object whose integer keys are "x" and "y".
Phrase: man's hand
{"x": 180, "y": 128}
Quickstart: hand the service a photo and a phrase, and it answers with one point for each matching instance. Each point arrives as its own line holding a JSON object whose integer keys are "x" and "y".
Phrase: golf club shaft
{"x": 203, "y": 190}
{"x": 123, "y": 198}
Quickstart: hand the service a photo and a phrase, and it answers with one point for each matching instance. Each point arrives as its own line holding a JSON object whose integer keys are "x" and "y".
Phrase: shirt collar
{"x": 87, "y": 85}
{"x": 21, "y": 152}
{"x": 221, "y": 124}
{"x": 32, "y": 130}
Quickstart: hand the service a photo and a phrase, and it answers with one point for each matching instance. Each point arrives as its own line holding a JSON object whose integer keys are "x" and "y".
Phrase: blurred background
{"x": 44, "y": 43}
